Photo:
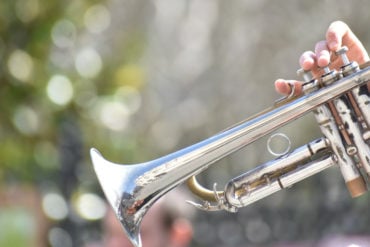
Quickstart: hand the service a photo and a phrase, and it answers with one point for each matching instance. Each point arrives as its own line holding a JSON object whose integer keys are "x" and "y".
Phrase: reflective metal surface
{"x": 132, "y": 189}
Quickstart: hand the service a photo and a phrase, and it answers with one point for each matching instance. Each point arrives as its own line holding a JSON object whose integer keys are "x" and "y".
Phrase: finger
{"x": 322, "y": 54}
{"x": 284, "y": 87}
{"x": 339, "y": 34}
{"x": 334, "y": 35}
{"x": 307, "y": 60}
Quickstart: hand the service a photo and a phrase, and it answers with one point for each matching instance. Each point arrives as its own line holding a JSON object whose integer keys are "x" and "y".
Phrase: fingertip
{"x": 285, "y": 87}
{"x": 307, "y": 64}
{"x": 322, "y": 53}
{"x": 282, "y": 87}
{"x": 307, "y": 60}
{"x": 323, "y": 61}
{"x": 332, "y": 39}
{"x": 335, "y": 33}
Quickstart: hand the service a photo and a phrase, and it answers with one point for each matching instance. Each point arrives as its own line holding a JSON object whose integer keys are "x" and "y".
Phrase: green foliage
{"x": 32, "y": 53}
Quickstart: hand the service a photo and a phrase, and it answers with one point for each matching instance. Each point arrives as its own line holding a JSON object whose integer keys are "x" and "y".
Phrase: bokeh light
{"x": 26, "y": 120}
{"x": 55, "y": 206}
{"x": 88, "y": 63}
{"x": 130, "y": 75}
{"x": 60, "y": 90}
{"x": 90, "y": 206}
{"x": 97, "y": 18}
{"x": 20, "y": 65}
{"x": 64, "y": 33}
{"x": 129, "y": 96}
{"x": 27, "y": 10}
{"x": 113, "y": 114}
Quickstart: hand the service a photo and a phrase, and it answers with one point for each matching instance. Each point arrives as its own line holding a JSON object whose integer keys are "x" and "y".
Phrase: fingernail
{"x": 333, "y": 45}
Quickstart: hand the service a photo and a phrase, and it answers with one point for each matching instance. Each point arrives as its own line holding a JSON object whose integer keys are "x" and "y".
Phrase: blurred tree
{"x": 24, "y": 50}
{"x": 42, "y": 67}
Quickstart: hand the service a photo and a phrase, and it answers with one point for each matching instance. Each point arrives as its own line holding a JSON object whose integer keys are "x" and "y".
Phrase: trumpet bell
{"x": 132, "y": 189}
{"x": 116, "y": 181}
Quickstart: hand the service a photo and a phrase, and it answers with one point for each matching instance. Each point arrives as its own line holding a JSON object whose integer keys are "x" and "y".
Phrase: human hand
{"x": 337, "y": 35}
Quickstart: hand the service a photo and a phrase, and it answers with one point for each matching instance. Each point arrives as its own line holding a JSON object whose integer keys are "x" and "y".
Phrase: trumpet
{"x": 339, "y": 101}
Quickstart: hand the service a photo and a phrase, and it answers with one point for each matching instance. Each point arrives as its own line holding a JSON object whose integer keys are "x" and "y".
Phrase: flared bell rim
{"x": 107, "y": 173}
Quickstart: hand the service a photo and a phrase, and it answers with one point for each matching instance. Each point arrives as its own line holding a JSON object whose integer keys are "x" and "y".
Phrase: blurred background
{"x": 139, "y": 79}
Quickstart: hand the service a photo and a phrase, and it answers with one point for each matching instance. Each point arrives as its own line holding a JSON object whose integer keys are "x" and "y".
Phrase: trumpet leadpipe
{"x": 280, "y": 173}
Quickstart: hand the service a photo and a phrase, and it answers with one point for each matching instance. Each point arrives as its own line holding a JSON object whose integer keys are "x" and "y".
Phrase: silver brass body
{"x": 132, "y": 189}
